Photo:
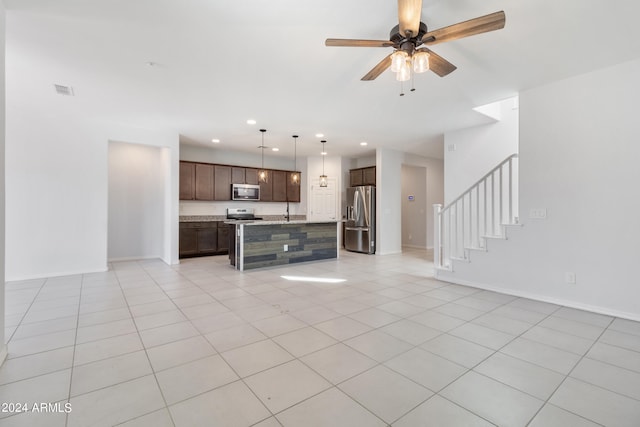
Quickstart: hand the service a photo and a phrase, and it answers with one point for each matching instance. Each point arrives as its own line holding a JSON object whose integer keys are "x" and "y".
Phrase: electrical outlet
{"x": 286, "y": 248}
{"x": 570, "y": 277}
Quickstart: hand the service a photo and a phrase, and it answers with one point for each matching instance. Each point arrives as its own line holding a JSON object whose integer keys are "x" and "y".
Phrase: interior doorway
{"x": 137, "y": 201}
{"x": 414, "y": 207}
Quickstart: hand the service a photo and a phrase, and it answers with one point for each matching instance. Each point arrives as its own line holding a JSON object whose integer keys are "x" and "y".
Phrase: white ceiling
{"x": 219, "y": 63}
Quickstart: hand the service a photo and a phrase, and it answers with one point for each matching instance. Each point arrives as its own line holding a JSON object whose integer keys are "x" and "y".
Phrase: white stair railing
{"x": 480, "y": 213}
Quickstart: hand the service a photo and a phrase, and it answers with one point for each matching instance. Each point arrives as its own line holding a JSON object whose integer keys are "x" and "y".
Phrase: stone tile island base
{"x": 262, "y": 244}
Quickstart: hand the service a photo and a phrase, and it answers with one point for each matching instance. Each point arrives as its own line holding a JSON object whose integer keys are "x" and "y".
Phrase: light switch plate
{"x": 539, "y": 213}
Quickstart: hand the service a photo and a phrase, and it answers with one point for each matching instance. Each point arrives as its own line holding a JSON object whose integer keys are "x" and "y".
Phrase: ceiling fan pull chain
{"x": 413, "y": 82}
{"x": 401, "y": 89}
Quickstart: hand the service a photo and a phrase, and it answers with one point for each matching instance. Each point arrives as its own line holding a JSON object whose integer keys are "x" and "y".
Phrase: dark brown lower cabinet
{"x": 188, "y": 241}
{"x": 232, "y": 243}
{"x": 203, "y": 238}
{"x": 223, "y": 237}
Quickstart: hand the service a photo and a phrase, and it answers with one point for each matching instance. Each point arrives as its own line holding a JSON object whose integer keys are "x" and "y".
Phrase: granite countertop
{"x": 265, "y": 218}
{"x": 202, "y": 218}
{"x": 296, "y": 221}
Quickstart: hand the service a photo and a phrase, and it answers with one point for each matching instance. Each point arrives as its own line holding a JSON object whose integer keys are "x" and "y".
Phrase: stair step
{"x": 475, "y": 248}
{"x": 455, "y": 258}
{"x": 444, "y": 268}
{"x": 497, "y": 236}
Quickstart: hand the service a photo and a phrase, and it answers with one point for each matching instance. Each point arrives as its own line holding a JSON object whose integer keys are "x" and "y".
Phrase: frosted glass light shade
{"x": 404, "y": 73}
{"x": 398, "y": 58}
{"x": 263, "y": 176}
{"x": 420, "y": 62}
{"x": 323, "y": 181}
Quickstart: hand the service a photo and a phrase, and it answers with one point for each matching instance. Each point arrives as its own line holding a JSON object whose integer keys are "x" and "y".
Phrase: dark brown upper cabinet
{"x": 293, "y": 189}
{"x": 241, "y": 175}
{"x": 204, "y": 181}
{"x": 251, "y": 176}
{"x": 237, "y": 175}
{"x": 223, "y": 182}
{"x": 187, "y": 180}
{"x": 355, "y": 177}
{"x": 266, "y": 189}
{"x": 362, "y": 176}
{"x": 279, "y": 186}
{"x": 369, "y": 176}
{"x": 212, "y": 182}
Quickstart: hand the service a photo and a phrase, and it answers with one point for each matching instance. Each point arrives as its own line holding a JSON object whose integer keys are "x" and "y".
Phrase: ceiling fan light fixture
{"x": 420, "y": 62}
{"x": 398, "y": 59}
{"x": 404, "y": 73}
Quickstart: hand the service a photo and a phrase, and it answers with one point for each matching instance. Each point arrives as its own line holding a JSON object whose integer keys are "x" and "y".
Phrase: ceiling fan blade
{"x": 483, "y": 24}
{"x": 357, "y": 43}
{"x": 409, "y": 12}
{"x": 378, "y": 69}
{"x": 438, "y": 64}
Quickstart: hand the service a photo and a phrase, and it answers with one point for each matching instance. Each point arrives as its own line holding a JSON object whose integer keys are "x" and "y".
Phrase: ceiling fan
{"x": 410, "y": 38}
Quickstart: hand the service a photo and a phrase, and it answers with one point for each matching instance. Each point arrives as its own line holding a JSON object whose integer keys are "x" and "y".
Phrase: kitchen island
{"x": 270, "y": 243}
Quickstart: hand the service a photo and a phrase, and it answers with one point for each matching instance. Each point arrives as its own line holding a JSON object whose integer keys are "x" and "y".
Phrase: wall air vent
{"x": 63, "y": 90}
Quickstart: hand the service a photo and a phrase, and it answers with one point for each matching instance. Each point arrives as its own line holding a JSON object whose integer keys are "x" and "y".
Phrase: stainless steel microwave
{"x": 245, "y": 192}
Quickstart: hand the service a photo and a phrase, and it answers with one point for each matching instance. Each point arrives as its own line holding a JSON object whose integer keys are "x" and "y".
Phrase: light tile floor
{"x": 199, "y": 344}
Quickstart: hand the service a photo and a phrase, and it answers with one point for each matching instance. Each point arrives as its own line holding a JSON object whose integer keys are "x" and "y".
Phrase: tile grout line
{"x": 166, "y": 407}
{"x": 73, "y": 355}
{"x": 567, "y": 376}
{"x": 222, "y": 358}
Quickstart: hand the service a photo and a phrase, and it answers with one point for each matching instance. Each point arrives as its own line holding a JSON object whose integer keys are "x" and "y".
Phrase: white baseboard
{"x": 54, "y": 274}
{"x": 135, "y": 258}
{"x": 414, "y": 247}
{"x": 542, "y": 298}
{"x": 389, "y": 252}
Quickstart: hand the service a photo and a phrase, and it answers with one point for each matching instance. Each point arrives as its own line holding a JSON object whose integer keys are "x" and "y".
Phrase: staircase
{"x": 481, "y": 213}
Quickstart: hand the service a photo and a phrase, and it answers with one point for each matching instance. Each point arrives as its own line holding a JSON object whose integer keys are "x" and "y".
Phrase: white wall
{"x": 388, "y": 201}
{"x": 414, "y": 211}
{"x": 579, "y": 156}
{"x": 435, "y": 186}
{"x": 364, "y": 161}
{"x": 237, "y": 158}
{"x": 389, "y": 196}
{"x": 3, "y": 347}
{"x": 57, "y": 191}
{"x": 479, "y": 149}
{"x": 136, "y": 202}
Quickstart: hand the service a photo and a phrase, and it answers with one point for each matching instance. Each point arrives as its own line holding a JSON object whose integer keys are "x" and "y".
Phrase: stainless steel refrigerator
{"x": 360, "y": 228}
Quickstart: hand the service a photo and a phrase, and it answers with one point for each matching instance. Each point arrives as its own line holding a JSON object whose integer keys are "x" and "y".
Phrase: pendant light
{"x": 263, "y": 176}
{"x": 323, "y": 177}
{"x": 295, "y": 176}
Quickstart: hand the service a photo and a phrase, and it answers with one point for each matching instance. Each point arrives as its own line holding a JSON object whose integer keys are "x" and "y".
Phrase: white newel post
{"x": 437, "y": 237}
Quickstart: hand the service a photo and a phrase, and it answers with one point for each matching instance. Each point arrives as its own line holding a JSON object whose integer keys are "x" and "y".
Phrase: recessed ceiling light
{"x": 275, "y": 149}
{"x": 324, "y": 153}
{"x": 319, "y": 135}
{"x": 215, "y": 141}
{"x": 363, "y": 143}
{"x": 251, "y": 122}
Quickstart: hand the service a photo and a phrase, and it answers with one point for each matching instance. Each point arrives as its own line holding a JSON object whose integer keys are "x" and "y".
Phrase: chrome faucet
{"x": 287, "y": 216}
